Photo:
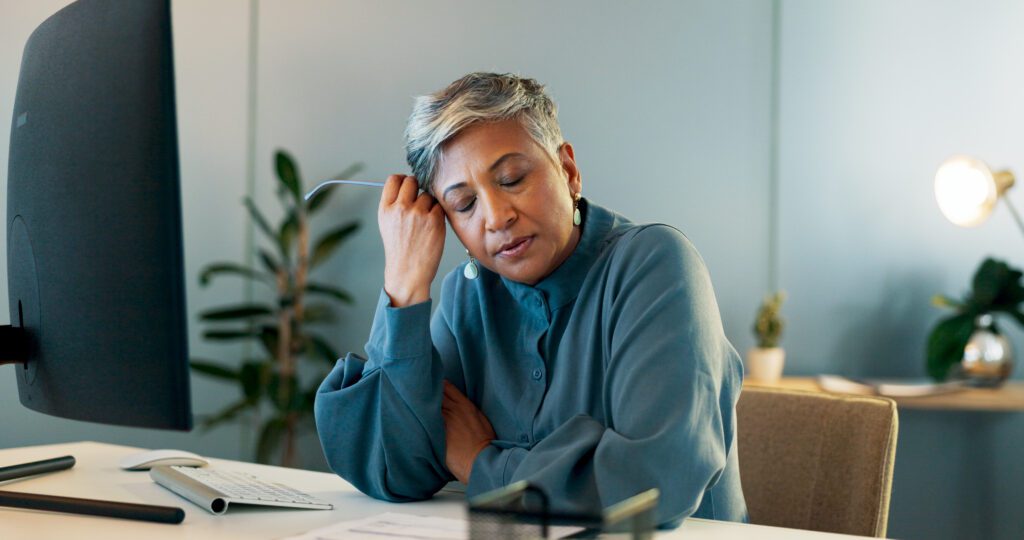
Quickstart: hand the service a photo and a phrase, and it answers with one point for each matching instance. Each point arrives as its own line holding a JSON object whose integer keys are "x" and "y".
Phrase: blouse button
{"x": 537, "y": 374}
{"x": 524, "y": 437}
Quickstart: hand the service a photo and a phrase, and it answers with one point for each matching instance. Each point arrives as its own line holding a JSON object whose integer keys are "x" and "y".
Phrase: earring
{"x": 576, "y": 218}
{"x": 471, "y": 270}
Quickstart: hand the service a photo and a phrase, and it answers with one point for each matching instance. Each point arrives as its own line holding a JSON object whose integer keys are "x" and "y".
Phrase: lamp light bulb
{"x": 965, "y": 190}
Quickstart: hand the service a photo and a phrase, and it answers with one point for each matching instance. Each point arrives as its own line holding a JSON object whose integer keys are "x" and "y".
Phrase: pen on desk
{"x": 90, "y": 507}
{"x": 326, "y": 183}
{"x": 36, "y": 467}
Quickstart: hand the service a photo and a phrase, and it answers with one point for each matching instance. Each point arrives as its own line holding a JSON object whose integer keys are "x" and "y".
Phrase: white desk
{"x": 96, "y": 475}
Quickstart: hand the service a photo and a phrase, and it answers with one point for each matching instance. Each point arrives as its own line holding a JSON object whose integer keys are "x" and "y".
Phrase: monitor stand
{"x": 14, "y": 345}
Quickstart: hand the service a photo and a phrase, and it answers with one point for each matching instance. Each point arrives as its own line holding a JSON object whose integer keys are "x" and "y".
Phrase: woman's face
{"x": 507, "y": 200}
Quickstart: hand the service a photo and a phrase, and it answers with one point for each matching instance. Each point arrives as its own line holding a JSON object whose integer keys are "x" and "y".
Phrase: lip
{"x": 515, "y": 248}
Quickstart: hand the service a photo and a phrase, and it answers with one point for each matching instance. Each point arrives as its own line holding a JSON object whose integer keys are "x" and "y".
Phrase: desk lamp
{"x": 967, "y": 191}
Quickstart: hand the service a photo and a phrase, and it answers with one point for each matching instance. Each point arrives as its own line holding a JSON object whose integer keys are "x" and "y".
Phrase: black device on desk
{"x": 94, "y": 253}
{"x": 522, "y": 510}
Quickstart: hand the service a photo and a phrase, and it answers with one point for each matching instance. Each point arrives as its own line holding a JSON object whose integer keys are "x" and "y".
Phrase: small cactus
{"x": 768, "y": 325}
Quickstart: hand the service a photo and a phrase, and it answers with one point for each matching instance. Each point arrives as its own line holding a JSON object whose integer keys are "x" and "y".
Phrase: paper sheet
{"x": 396, "y": 526}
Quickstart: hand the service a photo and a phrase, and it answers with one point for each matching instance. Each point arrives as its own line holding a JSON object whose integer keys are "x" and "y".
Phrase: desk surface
{"x": 96, "y": 475}
{"x": 1007, "y": 398}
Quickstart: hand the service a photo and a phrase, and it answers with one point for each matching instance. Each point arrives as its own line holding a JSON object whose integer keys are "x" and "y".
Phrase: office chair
{"x": 817, "y": 461}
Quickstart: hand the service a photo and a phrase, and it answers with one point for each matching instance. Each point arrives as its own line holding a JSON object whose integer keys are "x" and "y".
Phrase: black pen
{"x": 71, "y": 505}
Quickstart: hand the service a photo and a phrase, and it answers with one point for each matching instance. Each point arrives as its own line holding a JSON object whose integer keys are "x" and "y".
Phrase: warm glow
{"x": 965, "y": 190}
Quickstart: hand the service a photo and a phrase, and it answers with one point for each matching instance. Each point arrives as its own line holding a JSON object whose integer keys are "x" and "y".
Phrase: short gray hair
{"x": 475, "y": 98}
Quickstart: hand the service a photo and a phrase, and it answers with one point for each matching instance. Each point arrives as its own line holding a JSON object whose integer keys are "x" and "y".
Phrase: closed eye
{"x": 513, "y": 182}
{"x": 466, "y": 207}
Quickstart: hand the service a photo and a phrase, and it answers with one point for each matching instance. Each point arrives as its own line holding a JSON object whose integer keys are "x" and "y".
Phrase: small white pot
{"x": 765, "y": 364}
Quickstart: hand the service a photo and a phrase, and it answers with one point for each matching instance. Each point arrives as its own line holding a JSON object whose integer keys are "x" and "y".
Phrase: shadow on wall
{"x": 887, "y": 337}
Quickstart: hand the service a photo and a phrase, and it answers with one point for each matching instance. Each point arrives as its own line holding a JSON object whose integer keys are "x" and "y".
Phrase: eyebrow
{"x": 497, "y": 163}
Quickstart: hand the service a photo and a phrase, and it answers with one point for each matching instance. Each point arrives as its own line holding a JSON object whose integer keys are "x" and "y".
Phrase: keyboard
{"x": 214, "y": 489}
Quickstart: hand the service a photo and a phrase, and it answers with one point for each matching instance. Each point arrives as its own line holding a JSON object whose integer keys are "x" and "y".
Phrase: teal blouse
{"x": 609, "y": 377}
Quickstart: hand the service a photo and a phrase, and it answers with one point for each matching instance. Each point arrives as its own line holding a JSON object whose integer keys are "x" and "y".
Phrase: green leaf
{"x": 321, "y": 197}
{"x": 227, "y": 414}
{"x": 318, "y": 313}
{"x": 946, "y": 344}
{"x": 254, "y": 377}
{"x": 228, "y": 335}
{"x": 270, "y": 438}
{"x": 284, "y": 393}
{"x": 326, "y": 246}
{"x": 288, "y": 173}
{"x": 946, "y": 302}
{"x": 269, "y": 262}
{"x": 268, "y": 336}
{"x": 245, "y": 311}
{"x": 286, "y": 234}
{"x": 996, "y": 285}
{"x": 211, "y": 369}
{"x": 333, "y": 292}
{"x": 257, "y": 217}
{"x": 229, "y": 268}
{"x": 309, "y": 396}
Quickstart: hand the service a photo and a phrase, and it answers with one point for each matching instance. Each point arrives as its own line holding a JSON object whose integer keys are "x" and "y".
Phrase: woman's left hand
{"x": 467, "y": 432}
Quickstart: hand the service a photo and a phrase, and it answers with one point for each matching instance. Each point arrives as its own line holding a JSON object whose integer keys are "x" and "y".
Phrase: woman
{"x": 574, "y": 349}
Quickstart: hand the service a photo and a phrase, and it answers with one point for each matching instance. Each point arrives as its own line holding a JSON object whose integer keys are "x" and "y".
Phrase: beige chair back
{"x": 817, "y": 461}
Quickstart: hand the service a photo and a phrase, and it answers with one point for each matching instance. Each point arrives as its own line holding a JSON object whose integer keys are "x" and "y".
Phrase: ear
{"x": 567, "y": 156}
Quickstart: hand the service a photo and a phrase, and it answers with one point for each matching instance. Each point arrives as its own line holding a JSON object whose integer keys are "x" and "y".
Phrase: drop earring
{"x": 576, "y": 218}
{"x": 471, "y": 270}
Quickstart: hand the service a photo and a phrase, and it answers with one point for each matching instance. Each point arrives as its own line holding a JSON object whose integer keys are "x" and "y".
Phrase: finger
{"x": 438, "y": 211}
{"x": 391, "y": 187}
{"x": 407, "y": 192}
{"x": 425, "y": 201}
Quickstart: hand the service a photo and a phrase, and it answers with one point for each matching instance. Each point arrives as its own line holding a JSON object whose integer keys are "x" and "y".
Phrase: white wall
{"x": 874, "y": 96}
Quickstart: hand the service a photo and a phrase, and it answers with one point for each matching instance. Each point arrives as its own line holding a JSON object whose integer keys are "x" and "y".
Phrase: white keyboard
{"x": 215, "y": 489}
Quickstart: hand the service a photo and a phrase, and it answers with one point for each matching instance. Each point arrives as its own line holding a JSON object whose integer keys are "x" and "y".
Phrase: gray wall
{"x": 874, "y": 95}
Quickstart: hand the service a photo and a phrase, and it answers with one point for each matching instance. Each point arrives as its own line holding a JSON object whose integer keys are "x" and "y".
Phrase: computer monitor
{"x": 94, "y": 238}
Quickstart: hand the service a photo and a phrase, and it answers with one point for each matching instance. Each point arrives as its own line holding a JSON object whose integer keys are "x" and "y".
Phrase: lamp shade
{"x": 967, "y": 190}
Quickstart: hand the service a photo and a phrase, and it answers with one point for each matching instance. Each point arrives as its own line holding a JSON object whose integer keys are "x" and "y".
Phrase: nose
{"x": 498, "y": 211}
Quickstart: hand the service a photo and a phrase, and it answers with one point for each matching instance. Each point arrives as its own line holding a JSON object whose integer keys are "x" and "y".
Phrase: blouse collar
{"x": 563, "y": 285}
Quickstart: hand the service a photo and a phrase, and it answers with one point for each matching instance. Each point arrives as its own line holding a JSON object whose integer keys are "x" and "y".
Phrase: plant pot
{"x": 988, "y": 356}
{"x": 764, "y": 364}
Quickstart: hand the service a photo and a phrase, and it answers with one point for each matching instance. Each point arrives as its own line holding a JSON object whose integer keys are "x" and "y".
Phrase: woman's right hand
{"x": 412, "y": 227}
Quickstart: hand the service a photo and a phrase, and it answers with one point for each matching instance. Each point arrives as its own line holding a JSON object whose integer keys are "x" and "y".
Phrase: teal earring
{"x": 576, "y": 218}
{"x": 471, "y": 270}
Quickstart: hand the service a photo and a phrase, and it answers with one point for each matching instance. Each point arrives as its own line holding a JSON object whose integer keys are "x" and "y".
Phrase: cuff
{"x": 492, "y": 469}
{"x": 408, "y": 329}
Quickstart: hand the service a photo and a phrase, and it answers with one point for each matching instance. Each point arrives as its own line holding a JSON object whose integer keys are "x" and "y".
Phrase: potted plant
{"x": 765, "y": 361}
{"x": 270, "y": 384}
{"x": 968, "y": 344}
